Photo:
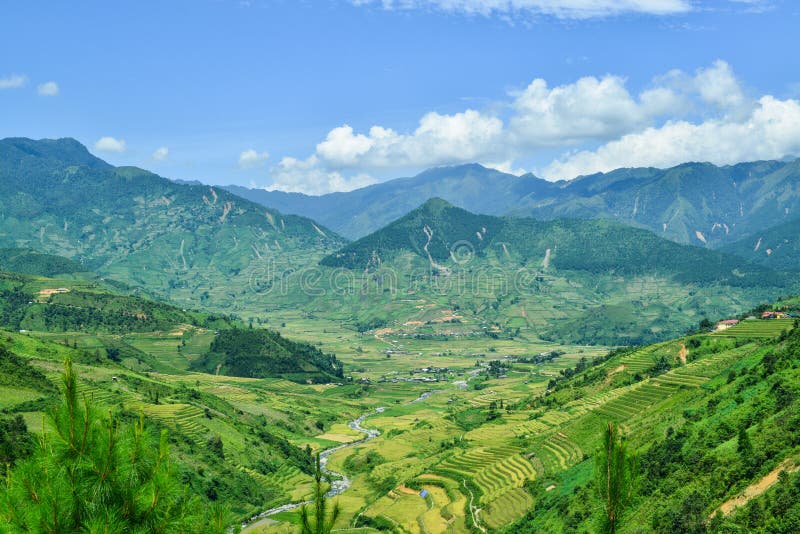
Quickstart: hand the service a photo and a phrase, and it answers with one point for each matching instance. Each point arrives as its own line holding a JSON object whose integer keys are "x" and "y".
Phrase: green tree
{"x": 615, "y": 477}
{"x": 321, "y": 522}
{"x": 744, "y": 446}
{"x": 94, "y": 474}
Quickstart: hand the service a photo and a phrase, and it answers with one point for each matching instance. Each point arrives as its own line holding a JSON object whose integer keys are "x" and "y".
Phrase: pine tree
{"x": 321, "y": 522}
{"x": 615, "y": 477}
{"x": 93, "y": 474}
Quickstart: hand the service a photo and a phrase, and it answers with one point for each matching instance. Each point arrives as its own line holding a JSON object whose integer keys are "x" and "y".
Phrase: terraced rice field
{"x": 507, "y": 508}
{"x": 757, "y": 328}
{"x": 497, "y": 478}
{"x": 558, "y": 453}
{"x": 98, "y": 395}
{"x": 494, "y": 470}
{"x": 530, "y": 428}
{"x": 184, "y": 417}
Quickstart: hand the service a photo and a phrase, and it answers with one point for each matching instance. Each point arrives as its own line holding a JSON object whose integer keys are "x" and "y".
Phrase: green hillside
{"x": 717, "y": 439}
{"x": 565, "y": 280}
{"x": 191, "y": 244}
{"x": 777, "y": 247}
{"x": 257, "y": 353}
{"x": 28, "y": 261}
{"x": 596, "y": 246}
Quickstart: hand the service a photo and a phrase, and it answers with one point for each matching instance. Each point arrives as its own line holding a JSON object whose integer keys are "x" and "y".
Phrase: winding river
{"x": 340, "y": 482}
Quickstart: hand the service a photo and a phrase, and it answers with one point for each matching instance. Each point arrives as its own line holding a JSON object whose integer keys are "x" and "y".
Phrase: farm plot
{"x": 494, "y": 470}
{"x": 558, "y": 453}
{"x": 183, "y": 417}
{"x": 507, "y": 508}
{"x": 757, "y": 329}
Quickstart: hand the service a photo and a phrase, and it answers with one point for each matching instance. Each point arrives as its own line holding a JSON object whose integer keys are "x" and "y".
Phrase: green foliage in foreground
{"x": 615, "y": 475}
{"x": 95, "y": 474}
{"x": 738, "y": 430}
{"x": 257, "y": 353}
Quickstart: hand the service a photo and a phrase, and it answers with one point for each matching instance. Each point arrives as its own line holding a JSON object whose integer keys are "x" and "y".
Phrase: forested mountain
{"x": 180, "y": 241}
{"x": 777, "y": 247}
{"x": 569, "y": 280}
{"x": 256, "y": 353}
{"x": 28, "y": 261}
{"x": 696, "y": 203}
{"x": 439, "y": 232}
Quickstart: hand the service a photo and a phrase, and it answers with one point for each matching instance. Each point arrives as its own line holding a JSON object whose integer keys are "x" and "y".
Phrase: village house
{"x": 727, "y": 323}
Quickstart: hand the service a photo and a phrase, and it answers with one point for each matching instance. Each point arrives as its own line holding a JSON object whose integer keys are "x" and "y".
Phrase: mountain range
{"x": 590, "y": 250}
{"x": 694, "y": 203}
{"x": 190, "y": 243}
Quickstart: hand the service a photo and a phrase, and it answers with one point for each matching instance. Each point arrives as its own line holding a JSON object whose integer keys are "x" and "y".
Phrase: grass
{"x": 10, "y": 396}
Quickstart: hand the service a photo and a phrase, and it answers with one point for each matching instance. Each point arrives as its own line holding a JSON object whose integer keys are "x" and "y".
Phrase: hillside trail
{"x": 757, "y": 488}
{"x": 472, "y": 508}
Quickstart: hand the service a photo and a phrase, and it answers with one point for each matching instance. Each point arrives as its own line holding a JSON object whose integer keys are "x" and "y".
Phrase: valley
{"x": 473, "y": 431}
{"x": 481, "y": 356}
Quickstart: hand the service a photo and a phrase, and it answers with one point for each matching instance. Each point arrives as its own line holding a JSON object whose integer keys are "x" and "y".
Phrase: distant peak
{"x": 65, "y": 149}
{"x": 435, "y": 204}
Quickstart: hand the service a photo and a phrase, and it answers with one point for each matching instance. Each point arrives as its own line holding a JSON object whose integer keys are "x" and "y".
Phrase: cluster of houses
{"x": 727, "y": 323}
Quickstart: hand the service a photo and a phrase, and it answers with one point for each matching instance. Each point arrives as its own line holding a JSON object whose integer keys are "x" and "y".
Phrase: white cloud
{"x": 717, "y": 85}
{"x": 109, "y": 144}
{"x": 770, "y": 131}
{"x": 48, "y": 89}
{"x": 251, "y": 158}
{"x": 161, "y": 153}
{"x": 566, "y": 9}
{"x": 438, "y": 139}
{"x": 15, "y": 81}
{"x": 598, "y": 121}
{"x": 590, "y": 108}
{"x": 307, "y": 176}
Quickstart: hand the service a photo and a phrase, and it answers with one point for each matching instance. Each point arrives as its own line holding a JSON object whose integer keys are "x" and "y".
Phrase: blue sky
{"x": 326, "y": 95}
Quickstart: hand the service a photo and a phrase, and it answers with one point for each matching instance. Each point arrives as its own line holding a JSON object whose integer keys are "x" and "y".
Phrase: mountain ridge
{"x": 180, "y": 241}
{"x": 695, "y": 202}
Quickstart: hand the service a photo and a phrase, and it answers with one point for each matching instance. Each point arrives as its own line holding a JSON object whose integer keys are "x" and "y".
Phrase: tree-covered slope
{"x": 186, "y": 242}
{"x": 256, "y": 353}
{"x": 221, "y": 457}
{"x": 78, "y": 305}
{"x": 443, "y": 234}
{"x": 28, "y": 261}
{"x": 777, "y": 247}
{"x": 713, "y": 420}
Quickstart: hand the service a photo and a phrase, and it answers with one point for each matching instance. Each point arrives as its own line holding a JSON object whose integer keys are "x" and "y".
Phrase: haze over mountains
{"x": 696, "y": 203}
